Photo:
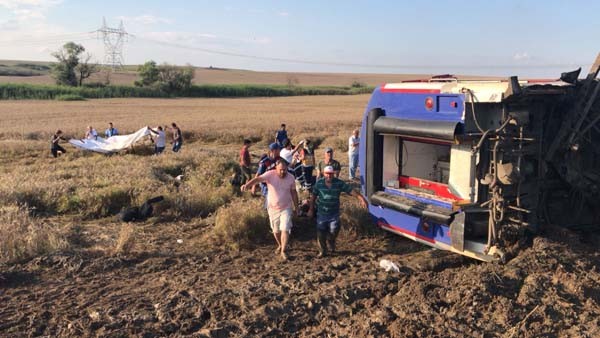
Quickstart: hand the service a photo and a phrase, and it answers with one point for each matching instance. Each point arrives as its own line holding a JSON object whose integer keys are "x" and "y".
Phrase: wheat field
{"x": 89, "y": 188}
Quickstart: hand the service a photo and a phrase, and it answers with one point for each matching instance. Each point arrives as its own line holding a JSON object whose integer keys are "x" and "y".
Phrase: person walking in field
{"x": 159, "y": 138}
{"x": 55, "y": 148}
{"x": 281, "y": 135}
{"x": 246, "y": 171}
{"x": 306, "y": 157}
{"x": 328, "y": 161}
{"x": 177, "y": 137}
{"x": 282, "y": 202}
{"x": 326, "y": 198}
{"x": 91, "y": 133}
{"x": 353, "y": 143}
{"x": 111, "y": 131}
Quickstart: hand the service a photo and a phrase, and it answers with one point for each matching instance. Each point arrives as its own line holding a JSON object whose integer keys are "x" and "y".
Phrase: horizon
{"x": 455, "y": 37}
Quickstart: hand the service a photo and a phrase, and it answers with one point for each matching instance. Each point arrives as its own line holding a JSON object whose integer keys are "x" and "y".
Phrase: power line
{"x": 350, "y": 64}
{"x": 114, "y": 39}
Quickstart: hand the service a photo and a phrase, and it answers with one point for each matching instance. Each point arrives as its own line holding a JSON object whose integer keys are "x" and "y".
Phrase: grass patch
{"x": 69, "y": 97}
{"x": 126, "y": 240}
{"x": 23, "y": 237}
{"x": 11, "y": 91}
{"x": 357, "y": 221}
{"x": 242, "y": 224}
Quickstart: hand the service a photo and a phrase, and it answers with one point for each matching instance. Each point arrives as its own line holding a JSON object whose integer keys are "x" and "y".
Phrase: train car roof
{"x": 474, "y": 90}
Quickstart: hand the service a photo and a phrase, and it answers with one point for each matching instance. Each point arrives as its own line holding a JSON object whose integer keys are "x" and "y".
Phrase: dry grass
{"x": 242, "y": 224}
{"x": 93, "y": 188}
{"x": 238, "y": 76}
{"x": 206, "y": 120}
{"x": 126, "y": 240}
{"x": 23, "y": 237}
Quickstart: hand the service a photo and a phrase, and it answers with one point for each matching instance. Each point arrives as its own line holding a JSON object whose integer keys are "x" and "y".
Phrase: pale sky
{"x": 509, "y": 37}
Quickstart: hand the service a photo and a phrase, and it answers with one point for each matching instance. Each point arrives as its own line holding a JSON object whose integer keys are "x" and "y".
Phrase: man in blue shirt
{"x": 326, "y": 196}
{"x": 281, "y": 135}
{"x": 111, "y": 131}
{"x": 268, "y": 163}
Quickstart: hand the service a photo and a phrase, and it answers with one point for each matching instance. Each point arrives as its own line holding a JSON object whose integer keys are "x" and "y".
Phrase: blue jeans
{"x": 329, "y": 223}
{"x": 176, "y": 146}
{"x": 353, "y": 164}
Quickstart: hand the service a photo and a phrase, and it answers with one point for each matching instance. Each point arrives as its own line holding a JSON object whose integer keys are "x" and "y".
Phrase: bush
{"x": 69, "y": 97}
{"x": 23, "y": 237}
{"x": 10, "y": 91}
{"x": 242, "y": 224}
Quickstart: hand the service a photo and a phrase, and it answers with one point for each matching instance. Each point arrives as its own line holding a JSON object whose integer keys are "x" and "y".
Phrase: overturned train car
{"x": 473, "y": 167}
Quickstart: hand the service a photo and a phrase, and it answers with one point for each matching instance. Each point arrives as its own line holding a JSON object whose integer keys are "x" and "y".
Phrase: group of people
{"x": 277, "y": 174}
{"x": 158, "y": 137}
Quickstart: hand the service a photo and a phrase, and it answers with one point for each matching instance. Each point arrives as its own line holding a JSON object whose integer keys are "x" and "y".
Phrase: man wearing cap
{"x": 266, "y": 164}
{"x": 282, "y": 202}
{"x": 328, "y": 161}
{"x": 326, "y": 197}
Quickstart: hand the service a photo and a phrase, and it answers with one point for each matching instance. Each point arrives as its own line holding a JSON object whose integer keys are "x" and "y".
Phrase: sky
{"x": 501, "y": 38}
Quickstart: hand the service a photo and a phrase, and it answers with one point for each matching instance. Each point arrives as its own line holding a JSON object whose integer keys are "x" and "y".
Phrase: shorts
{"x": 281, "y": 220}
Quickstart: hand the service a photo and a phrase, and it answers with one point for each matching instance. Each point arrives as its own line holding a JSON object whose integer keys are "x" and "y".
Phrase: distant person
{"x": 177, "y": 137}
{"x": 326, "y": 198}
{"x": 353, "y": 143}
{"x": 288, "y": 151}
{"x": 328, "y": 161}
{"x": 246, "y": 171}
{"x": 281, "y": 135}
{"x": 159, "y": 138}
{"x": 306, "y": 157}
{"x": 91, "y": 133}
{"x": 282, "y": 202}
{"x": 111, "y": 131}
{"x": 55, "y": 148}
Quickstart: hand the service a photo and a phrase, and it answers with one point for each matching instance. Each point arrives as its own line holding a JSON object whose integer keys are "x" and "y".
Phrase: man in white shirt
{"x": 287, "y": 153}
{"x": 91, "y": 133}
{"x": 353, "y": 143}
{"x": 160, "y": 140}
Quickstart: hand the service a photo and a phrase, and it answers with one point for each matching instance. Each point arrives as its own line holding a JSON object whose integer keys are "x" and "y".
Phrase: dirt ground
{"x": 552, "y": 289}
{"x": 176, "y": 282}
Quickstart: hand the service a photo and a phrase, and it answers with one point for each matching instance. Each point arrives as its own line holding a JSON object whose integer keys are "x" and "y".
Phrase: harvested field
{"x": 240, "y": 76}
{"x": 180, "y": 274}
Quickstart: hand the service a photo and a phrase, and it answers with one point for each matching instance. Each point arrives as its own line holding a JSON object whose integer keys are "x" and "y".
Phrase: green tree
{"x": 174, "y": 79}
{"x": 85, "y": 68}
{"x": 148, "y": 73}
{"x": 69, "y": 70}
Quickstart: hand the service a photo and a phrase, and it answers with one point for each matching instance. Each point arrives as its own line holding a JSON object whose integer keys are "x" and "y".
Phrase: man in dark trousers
{"x": 246, "y": 172}
{"x": 55, "y": 148}
{"x": 281, "y": 135}
{"x": 177, "y": 137}
{"x": 326, "y": 196}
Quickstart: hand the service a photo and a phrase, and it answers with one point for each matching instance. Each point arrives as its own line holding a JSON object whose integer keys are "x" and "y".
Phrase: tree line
{"x": 73, "y": 67}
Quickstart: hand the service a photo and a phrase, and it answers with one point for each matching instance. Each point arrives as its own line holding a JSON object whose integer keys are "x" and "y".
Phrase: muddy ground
{"x": 166, "y": 288}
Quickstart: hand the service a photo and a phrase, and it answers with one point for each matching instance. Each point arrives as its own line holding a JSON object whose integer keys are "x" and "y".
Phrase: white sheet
{"x": 112, "y": 144}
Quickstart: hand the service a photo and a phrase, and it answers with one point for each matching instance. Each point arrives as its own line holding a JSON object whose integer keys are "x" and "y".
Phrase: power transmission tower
{"x": 114, "y": 39}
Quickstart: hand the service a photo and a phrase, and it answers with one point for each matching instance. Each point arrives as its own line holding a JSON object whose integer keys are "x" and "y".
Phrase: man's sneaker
{"x": 321, "y": 254}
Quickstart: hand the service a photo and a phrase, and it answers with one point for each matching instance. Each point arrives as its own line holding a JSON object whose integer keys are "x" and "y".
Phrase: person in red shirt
{"x": 245, "y": 162}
